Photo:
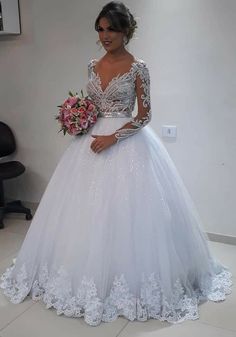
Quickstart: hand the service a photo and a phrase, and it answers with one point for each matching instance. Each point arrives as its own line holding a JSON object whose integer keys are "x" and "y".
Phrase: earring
{"x": 125, "y": 40}
{"x": 98, "y": 42}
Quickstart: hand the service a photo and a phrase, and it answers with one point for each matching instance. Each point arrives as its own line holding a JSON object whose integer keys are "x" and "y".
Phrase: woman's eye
{"x": 110, "y": 29}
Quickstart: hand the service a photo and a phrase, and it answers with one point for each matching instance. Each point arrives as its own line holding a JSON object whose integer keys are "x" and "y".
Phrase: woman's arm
{"x": 143, "y": 117}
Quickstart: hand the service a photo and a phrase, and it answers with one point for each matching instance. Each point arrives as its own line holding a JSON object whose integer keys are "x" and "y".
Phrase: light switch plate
{"x": 169, "y": 131}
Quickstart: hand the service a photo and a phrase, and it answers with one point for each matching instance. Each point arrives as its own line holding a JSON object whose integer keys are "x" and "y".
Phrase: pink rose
{"x": 91, "y": 107}
{"x": 84, "y": 124}
{"x": 81, "y": 109}
{"x": 72, "y": 101}
{"x": 74, "y": 110}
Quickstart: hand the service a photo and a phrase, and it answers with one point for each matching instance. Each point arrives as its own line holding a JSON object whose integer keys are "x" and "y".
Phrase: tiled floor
{"x": 29, "y": 319}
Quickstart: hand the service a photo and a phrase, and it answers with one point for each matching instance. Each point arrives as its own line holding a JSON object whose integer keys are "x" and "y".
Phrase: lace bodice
{"x": 118, "y": 98}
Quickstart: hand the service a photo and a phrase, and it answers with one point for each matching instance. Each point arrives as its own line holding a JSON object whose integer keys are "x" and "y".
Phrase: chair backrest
{"x": 7, "y": 140}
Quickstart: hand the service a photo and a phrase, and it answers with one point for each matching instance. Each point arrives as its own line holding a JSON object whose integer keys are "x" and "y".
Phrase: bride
{"x": 116, "y": 232}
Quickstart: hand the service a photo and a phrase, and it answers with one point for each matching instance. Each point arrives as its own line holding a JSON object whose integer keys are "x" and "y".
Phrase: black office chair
{"x": 8, "y": 170}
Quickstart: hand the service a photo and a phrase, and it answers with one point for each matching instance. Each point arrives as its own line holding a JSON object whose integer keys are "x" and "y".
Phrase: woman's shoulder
{"x": 140, "y": 62}
{"x": 141, "y": 67}
{"x": 91, "y": 66}
{"x": 92, "y": 62}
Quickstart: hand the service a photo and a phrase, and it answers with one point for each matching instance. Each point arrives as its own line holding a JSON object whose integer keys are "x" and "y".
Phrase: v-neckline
{"x": 118, "y": 76}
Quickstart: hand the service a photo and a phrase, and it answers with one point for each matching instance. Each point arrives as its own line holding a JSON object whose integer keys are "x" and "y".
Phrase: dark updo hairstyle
{"x": 119, "y": 17}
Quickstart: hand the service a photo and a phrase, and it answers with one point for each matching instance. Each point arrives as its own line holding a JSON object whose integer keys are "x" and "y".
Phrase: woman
{"x": 116, "y": 232}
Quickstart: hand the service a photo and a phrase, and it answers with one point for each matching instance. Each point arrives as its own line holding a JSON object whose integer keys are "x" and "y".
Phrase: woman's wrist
{"x": 114, "y": 139}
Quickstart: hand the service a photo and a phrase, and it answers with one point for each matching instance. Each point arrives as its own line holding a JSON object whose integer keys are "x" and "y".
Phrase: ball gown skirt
{"x": 117, "y": 234}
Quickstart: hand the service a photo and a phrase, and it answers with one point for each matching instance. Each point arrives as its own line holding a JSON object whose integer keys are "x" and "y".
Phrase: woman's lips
{"x": 107, "y": 43}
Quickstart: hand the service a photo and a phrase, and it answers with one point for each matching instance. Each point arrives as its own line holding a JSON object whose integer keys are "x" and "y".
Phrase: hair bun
{"x": 133, "y": 25}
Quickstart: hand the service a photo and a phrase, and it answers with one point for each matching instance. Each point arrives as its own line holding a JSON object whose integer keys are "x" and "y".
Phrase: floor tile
{"x": 154, "y": 328}
{"x": 9, "y": 243}
{"x": 10, "y": 311}
{"x": 40, "y": 322}
{"x": 5, "y": 263}
{"x": 18, "y": 226}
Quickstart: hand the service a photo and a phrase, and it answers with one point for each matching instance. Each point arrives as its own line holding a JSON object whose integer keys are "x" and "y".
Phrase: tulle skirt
{"x": 117, "y": 234}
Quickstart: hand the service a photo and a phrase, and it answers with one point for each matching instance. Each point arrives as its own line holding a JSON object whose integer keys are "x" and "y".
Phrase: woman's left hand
{"x": 100, "y": 143}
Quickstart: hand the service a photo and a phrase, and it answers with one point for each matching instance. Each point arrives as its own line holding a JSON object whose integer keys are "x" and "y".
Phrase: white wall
{"x": 190, "y": 48}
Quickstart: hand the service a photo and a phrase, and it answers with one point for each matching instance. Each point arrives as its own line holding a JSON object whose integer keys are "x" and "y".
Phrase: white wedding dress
{"x": 116, "y": 233}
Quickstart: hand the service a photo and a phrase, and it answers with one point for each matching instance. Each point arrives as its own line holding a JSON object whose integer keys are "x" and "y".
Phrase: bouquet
{"x": 77, "y": 114}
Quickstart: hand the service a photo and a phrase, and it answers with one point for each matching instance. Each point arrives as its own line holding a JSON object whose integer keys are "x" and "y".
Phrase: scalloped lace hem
{"x": 56, "y": 292}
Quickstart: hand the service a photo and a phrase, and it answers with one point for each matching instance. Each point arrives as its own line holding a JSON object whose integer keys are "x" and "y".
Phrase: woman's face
{"x": 110, "y": 39}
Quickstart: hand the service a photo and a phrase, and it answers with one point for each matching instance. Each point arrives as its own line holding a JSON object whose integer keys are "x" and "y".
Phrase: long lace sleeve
{"x": 143, "y": 116}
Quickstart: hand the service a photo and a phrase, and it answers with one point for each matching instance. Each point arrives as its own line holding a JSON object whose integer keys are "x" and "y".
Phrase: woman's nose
{"x": 106, "y": 33}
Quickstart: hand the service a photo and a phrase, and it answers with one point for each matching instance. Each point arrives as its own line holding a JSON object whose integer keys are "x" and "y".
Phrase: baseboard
{"x": 216, "y": 237}
{"x": 230, "y": 240}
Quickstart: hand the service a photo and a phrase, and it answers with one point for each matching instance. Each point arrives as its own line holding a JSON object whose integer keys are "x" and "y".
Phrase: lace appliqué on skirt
{"x": 56, "y": 292}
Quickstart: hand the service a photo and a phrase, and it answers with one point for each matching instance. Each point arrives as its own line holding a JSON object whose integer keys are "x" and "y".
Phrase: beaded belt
{"x": 114, "y": 114}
